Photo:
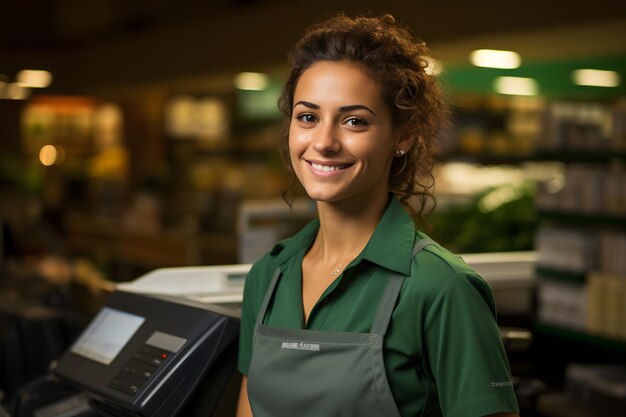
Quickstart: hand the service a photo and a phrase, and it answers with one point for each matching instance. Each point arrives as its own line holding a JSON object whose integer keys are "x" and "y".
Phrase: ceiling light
{"x": 596, "y": 78}
{"x": 34, "y": 78}
{"x": 518, "y": 86}
{"x": 251, "y": 81}
{"x": 492, "y": 58}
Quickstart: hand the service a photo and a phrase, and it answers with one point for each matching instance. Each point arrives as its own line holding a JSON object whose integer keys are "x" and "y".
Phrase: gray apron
{"x": 311, "y": 373}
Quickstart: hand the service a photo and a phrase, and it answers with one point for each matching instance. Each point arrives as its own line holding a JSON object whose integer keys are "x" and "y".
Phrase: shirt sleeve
{"x": 465, "y": 352}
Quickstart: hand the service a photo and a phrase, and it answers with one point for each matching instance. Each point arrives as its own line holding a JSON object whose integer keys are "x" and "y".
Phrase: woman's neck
{"x": 345, "y": 229}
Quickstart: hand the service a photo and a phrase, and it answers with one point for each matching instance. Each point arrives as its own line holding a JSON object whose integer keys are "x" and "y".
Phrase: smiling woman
{"x": 360, "y": 313}
{"x": 341, "y": 138}
{"x": 399, "y": 64}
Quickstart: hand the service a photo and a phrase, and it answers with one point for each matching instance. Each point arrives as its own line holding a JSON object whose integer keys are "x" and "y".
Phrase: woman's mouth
{"x": 328, "y": 168}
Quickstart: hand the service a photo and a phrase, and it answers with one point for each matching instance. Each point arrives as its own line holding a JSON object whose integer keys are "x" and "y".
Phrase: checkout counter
{"x": 165, "y": 344}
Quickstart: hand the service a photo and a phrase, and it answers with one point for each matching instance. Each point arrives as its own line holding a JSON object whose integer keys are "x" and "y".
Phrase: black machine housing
{"x": 170, "y": 349}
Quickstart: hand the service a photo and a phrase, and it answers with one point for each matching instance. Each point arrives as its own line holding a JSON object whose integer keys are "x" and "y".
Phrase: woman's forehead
{"x": 341, "y": 82}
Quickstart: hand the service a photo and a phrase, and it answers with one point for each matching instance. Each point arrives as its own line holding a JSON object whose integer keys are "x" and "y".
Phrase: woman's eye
{"x": 306, "y": 118}
{"x": 356, "y": 121}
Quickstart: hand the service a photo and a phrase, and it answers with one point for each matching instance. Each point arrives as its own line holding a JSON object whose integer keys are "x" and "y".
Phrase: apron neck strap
{"x": 421, "y": 245}
{"x": 388, "y": 300}
{"x": 268, "y": 296}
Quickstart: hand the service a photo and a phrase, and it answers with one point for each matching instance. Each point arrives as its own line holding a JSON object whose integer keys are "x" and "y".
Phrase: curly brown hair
{"x": 397, "y": 60}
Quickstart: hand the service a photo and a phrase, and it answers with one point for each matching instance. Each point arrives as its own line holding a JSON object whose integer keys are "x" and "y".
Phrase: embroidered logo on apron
{"x": 315, "y": 347}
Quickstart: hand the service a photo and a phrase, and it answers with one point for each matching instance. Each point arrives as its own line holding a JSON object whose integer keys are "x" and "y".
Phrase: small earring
{"x": 400, "y": 152}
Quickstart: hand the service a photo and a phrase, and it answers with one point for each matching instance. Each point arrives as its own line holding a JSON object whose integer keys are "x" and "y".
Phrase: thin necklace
{"x": 340, "y": 266}
{"x": 337, "y": 271}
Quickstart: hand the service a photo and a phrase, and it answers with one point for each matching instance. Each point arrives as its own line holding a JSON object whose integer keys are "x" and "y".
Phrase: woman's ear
{"x": 404, "y": 141}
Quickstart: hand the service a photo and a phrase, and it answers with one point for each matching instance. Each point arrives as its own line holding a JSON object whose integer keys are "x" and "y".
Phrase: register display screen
{"x": 107, "y": 335}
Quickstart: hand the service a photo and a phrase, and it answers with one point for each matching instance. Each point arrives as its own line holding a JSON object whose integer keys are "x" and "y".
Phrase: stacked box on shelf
{"x": 563, "y": 304}
{"x": 607, "y": 287}
{"x": 615, "y": 192}
{"x": 577, "y": 126}
{"x": 581, "y": 240}
{"x": 583, "y": 183}
{"x": 597, "y": 305}
{"x": 612, "y": 252}
{"x": 618, "y": 134}
{"x": 606, "y": 304}
{"x": 586, "y": 189}
{"x": 572, "y": 251}
{"x": 566, "y": 249}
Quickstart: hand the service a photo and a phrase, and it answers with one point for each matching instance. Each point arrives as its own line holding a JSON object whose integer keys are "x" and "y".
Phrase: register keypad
{"x": 139, "y": 369}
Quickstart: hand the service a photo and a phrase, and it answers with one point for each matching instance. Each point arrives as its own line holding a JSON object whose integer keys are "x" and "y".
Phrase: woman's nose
{"x": 326, "y": 139}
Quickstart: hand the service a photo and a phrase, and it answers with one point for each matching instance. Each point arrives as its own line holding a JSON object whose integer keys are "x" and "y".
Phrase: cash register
{"x": 164, "y": 345}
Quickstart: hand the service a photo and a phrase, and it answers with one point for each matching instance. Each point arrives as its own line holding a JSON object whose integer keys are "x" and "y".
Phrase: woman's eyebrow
{"x": 342, "y": 109}
{"x": 356, "y": 107}
{"x": 307, "y": 104}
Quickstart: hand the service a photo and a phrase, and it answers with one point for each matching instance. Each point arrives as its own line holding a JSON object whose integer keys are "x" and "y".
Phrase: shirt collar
{"x": 284, "y": 249}
{"x": 390, "y": 246}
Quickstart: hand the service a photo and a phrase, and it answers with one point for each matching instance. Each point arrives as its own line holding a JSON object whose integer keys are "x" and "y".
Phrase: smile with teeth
{"x": 328, "y": 168}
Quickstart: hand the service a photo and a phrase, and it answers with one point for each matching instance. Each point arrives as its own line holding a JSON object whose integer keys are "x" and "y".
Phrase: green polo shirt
{"x": 442, "y": 351}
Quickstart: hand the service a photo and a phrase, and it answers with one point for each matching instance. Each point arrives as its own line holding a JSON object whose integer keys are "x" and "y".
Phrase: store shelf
{"x": 237, "y": 152}
{"x": 580, "y": 336}
{"x": 559, "y": 404}
{"x": 578, "y": 313}
{"x": 564, "y": 155}
{"x": 109, "y": 238}
{"x": 560, "y": 275}
{"x": 225, "y": 151}
{"x": 491, "y": 159}
{"x": 583, "y": 219}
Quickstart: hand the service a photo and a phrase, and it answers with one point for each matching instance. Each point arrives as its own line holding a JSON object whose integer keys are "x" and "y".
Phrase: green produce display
{"x": 497, "y": 219}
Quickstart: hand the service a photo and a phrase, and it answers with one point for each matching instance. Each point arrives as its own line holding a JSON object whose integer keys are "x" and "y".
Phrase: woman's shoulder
{"x": 436, "y": 258}
{"x": 436, "y": 271}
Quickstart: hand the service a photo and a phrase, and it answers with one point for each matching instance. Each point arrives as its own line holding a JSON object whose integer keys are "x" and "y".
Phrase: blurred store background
{"x": 143, "y": 134}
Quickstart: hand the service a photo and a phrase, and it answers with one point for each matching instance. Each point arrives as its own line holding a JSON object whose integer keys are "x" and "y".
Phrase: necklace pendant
{"x": 337, "y": 271}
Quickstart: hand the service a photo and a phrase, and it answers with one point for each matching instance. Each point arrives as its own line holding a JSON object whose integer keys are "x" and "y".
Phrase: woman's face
{"x": 341, "y": 137}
